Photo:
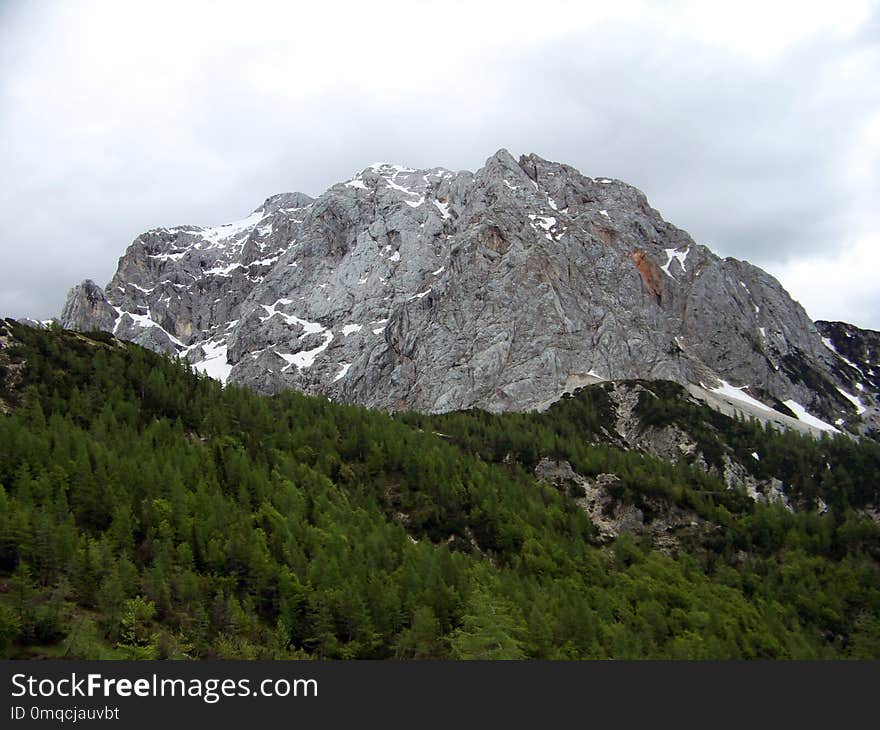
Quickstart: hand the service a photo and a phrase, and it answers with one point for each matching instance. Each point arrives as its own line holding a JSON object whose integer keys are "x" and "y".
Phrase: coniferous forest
{"x": 148, "y": 512}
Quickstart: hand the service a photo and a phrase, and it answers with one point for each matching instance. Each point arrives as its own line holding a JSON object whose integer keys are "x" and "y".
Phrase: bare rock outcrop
{"x": 437, "y": 290}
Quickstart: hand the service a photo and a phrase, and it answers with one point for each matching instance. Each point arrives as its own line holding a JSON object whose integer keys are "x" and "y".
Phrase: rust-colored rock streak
{"x": 651, "y": 274}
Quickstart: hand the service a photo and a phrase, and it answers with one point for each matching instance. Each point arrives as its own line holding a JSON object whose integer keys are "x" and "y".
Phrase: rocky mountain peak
{"x": 502, "y": 164}
{"x": 282, "y": 201}
{"x": 501, "y": 289}
{"x": 87, "y": 308}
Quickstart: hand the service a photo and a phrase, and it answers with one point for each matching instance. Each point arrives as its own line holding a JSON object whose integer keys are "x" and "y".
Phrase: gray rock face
{"x": 858, "y": 357}
{"x": 87, "y": 308}
{"x": 436, "y": 290}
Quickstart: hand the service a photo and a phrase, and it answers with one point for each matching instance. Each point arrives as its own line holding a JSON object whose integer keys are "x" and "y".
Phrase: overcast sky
{"x": 755, "y": 128}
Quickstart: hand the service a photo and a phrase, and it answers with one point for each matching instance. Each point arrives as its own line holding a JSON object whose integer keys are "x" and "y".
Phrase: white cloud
{"x": 838, "y": 285}
{"x": 757, "y": 28}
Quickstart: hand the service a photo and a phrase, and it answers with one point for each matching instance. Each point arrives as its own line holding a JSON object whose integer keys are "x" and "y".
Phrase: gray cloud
{"x": 113, "y": 124}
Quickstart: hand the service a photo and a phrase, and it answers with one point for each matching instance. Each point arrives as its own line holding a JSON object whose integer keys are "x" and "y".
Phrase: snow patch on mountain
{"x": 738, "y": 393}
{"x": 808, "y": 418}
{"x": 672, "y": 254}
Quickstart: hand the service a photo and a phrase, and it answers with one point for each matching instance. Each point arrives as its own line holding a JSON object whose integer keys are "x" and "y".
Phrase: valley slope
{"x": 148, "y": 512}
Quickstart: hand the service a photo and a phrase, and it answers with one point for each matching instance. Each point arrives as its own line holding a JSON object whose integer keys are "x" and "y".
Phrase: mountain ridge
{"x": 436, "y": 290}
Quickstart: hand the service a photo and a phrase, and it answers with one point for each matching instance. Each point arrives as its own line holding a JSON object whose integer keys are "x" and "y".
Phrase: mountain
{"x": 858, "y": 349}
{"x": 502, "y": 289}
{"x": 148, "y": 512}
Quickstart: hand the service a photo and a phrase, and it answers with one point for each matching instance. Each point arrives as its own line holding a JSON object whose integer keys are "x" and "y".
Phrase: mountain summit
{"x": 435, "y": 290}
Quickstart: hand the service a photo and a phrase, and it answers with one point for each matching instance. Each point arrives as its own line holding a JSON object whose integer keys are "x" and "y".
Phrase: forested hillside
{"x": 148, "y": 512}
